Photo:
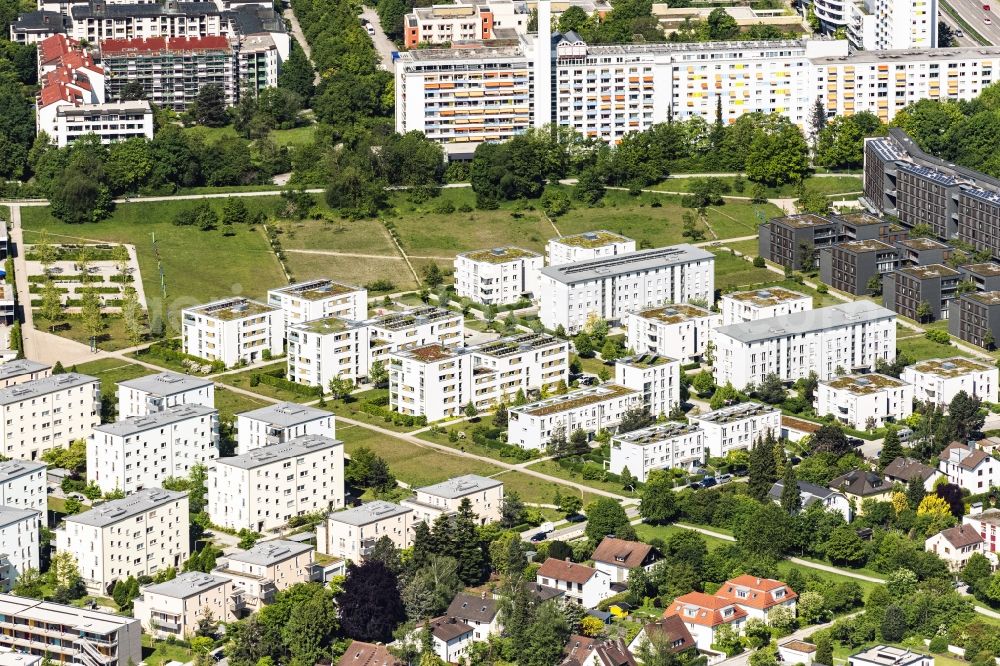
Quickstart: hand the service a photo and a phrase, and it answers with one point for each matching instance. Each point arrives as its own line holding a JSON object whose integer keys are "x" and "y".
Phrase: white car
{"x": 988, "y": 21}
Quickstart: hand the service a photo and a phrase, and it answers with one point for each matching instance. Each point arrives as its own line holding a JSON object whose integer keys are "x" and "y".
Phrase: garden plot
{"x": 75, "y": 269}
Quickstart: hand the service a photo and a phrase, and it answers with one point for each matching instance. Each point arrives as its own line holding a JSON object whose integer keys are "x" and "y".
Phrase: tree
{"x": 874, "y": 285}
{"x": 73, "y": 457}
{"x": 811, "y": 606}
{"x": 915, "y": 492}
{"x": 341, "y": 387}
{"x": 824, "y": 648}
{"x": 470, "y": 410}
{"x": 763, "y": 534}
{"x": 763, "y": 471}
{"x": 964, "y": 416}
{"x": 634, "y": 419}
{"x": 584, "y": 345}
{"x": 546, "y": 636}
{"x": 129, "y": 164}
{"x": 721, "y": 25}
{"x": 132, "y": 316}
{"x": 840, "y": 145}
{"x": 845, "y": 547}
{"x": 500, "y": 416}
{"x": 90, "y": 313}
{"x": 893, "y": 624}
{"x": 924, "y": 312}
{"x": 892, "y": 448}
{"x": 77, "y": 198}
{"x": 703, "y": 384}
{"x": 370, "y": 605}
{"x": 210, "y": 106}
{"x": 831, "y": 439}
{"x": 44, "y": 251}
{"x": 772, "y": 390}
{"x": 570, "y": 504}
{"x": 612, "y": 350}
{"x": 431, "y": 588}
{"x": 466, "y": 546}
{"x": 727, "y": 640}
{"x": 29, "y": 583}
{"x": 433, "y": 277}
{"x": 777, "y": 153}
{"x": 658, "y": 501}
{"x": 976, "y": 570}
{"x": 507, "y": 554}
{"x": 51, "y": 307}
{"x": 64, "y": 575}
{"x": 791, "y": 500}
{"x": 607, "y": 517}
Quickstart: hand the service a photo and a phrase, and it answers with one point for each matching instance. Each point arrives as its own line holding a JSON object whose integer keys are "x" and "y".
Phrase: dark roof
{"x": 962, "y": 536}
{"x": 94, "y": 9}
{"x": 973, "y": 456}
{"x": 447, "y": 628}
{"x": 254, "y": 19}
{"x": 543, "y": 593}
{"x": 811, "y": 491}
{"x": 907, "y": 468}
{"x": 468, "y": 607}
{"x": 675, "y": 631}
{"x": 622, "y": 553}
{"x": 860, "y": 483}
{"x": 613, "y": 653}
{"x": 40, "y": 22}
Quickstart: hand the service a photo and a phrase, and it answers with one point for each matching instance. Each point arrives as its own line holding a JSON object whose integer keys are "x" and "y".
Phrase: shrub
{"x": 759, "y": 262}
{"x": 939, "y": 644}
{"x": 940, "y": 337}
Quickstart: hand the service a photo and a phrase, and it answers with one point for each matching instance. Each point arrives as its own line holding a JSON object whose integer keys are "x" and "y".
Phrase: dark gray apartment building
{"x": 904, "y": 290}
{"x": 862, "y": 226}
{"x": 986, "y": 277}
{"x": 922, "y": 252}
{"x": 848, "y": 266}
{"x": 975, "y": 318}
{"x": 786, "y": 240}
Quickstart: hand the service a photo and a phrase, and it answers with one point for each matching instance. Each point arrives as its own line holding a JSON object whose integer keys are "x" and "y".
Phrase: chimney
{"x": 976, "y": 507}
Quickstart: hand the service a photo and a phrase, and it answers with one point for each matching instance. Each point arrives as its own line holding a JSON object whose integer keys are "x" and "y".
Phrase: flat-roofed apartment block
{"x": 662, "y": 446}
{"x": 281, "y": 423}
{"x": 883, "y": 655}
{"x": 938, "y": 381}
{"x": 499, "y": 276}
{"x": 174, "y": 608}
{"x": 19, "y": 543}
{"x": 678, "y": 330}
{"x": 974, "y": 317}
{"x": 586, "y": 246}
{"x": 23, "y": 485}
{"x": 140, "y": 535}
{"x": 737, "y": 427}
{"x": 317, "y": 299}
{"x": 48, "y": 413}
{"x": 592, "y": 409}
{"x": 849, "y": 266}
{"x": 68, "y": 634}
{"x": 147, "y": 395}
{"x": 851, "y": 336}
{"x": 233, "y": 330}
{"x": 263, "y": 489}
{"x": 907, "y": 289}
{"x": 864, "y": 226}
{"x": 485, "y": 495}
{"x": 791, "y": 240}
{"x": 656, "y": 378}
{"x": 610, "y": 287}
{"x": 922, "y": 252}
{"x": 331, "y": 347}
{"x": 351, "y": 534}
{"x": 98, "y": 20}
{"x": 743, "y": 306}
{"x": 985, "y": 277}
{"x": 143, "y": 451}
{"x": 859, "y": 400}
{"x": 269, "y": 567}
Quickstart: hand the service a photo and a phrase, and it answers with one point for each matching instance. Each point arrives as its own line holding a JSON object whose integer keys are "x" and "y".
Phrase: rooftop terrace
{"x": 766, "y": 297}
{"x": 656, "y": 433}
{"x": 318, "y": 290}
{"x": 984, "y": 297}
{"x": 516, "y": 344}
{"x": 744, "y": 410}
{"x": 864, "y": 384}
{"x": 646, "y": 360}
{"x": 500, "y": 255}
{"x": 574, "y": 400}
{"x": 674, "y": 313}
{"x": 928, "y": 272}
{"x": 803, "y": 221}
{"x": 233, "y": 308}
{"x": 985, "y": 269}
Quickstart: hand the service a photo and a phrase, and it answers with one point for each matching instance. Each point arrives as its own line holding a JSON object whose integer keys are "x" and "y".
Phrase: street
{"x": 972, "y": 12}
{"x": 383, "y": 44}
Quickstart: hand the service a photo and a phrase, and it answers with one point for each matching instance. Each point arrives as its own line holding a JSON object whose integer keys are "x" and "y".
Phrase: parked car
{"x": 694, "y": 486}
{"x": 795, "y": 460}
{"x": 959, "y": 33}
{"x": 986, "y": 8}
{"x": 904, "y": 434}
{"x": 708, "y": 482}
{"x": 854, "y": 441}
{"x": 576, "y": 518}
{"x": 539, "y": 536}
{"x": 725, "y": 478}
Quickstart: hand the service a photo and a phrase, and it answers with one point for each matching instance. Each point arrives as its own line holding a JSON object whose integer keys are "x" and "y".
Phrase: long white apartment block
{"x": 22, "y": 370}
{"x": 742, "y": 306}
{"x": 23, "y": 485}
{"x": 233, "y": 330}
{"x": 737, "y": 426}
{"x": 662, "y": 446}
{"x": 438, "y": 382}
{"x": 48, "y": 413}
{"x": 680, "y": 331}
{"x": 281, "y": 423}
{"x": 610, "y": 287}
{"x": 331, "y": 347}
{"x": 140, "y": 535}
{"x": 484, "y": 494}
{"x": 938, "y": 381}
{"x": 351, "y": 534}
{"x": 883, "y": 24}
{"x": 98, "y": 20}
{"x": 856, "y": 400}
{"x": 147, "y": 395}
{"x": 841, "y": 338}
{"x": 586, "y": 246}
{"x": 143, "y": 451}
{"x": 657, "y": 379}
{"x": 316, "y": 299}
{"x": 591, "y": 410}
{"x": 269, "y": 567}
{"x": 261, "y": 490}
{"x": 499, "y": 276}
{"x": 19, "y": 543}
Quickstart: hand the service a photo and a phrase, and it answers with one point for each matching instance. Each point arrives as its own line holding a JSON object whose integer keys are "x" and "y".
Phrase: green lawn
{"x": 352, "y": 410}
{"x": 825, "y": 185}
{"x": 112, "y": 338}
{"x": 242, "y": 380}
{"x": 354, "y": 270}
{"x": 553, "y": 468}
{"x": 738, "y": 219}
{"x": 157, "y": 653}
{"x": 466, "y": 444}
{"x": 111, "y": 371}
{"x": 649, "y": 532}
{"x": 533, "y": 490}
{"x": 784, "y": 567}
{"x": 749, "y": 248}
{"x": 356, "y": 236}
{"x": 229, "y": 403}
{"x": 731, "y": 271}
{"x": 298, "y": 135}
{"x": 920, "y": 348}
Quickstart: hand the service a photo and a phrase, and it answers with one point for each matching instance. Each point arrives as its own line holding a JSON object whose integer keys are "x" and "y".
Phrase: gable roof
{"x": 622, "y": 553}
{"x": 447, "y": 628}
{"x": 569, "y": 571}
{"x": 613, "y": 653}
{"x": 367, "y": 654}
{"x": 969, "y": 457}
{"x": 578, "y": 649}
{"x": 468, "y": 607}
{"x": 708, "y": 611}
{"x": 809, "y": 492}
{"x": 673, "y": 629}
{"x": 905, "y": 469}
{"x": 962, "y": 536}
{"x": 860, "y": 482}
{"x": 760, "y": 592}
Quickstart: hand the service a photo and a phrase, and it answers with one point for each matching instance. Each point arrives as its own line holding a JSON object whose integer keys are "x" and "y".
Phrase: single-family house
{"x": 859, "y": 485}
{"x": 618, "y": 557}
{"x": 758, "y": 596}
{"x": 359, "y": 653}
{"x": 703, "y": 614}
{"x": 451, "y": 638}
{"x": 956, "y": 545}
{"x": 903, "y": 469}
{"x": 582, "y": 584}
{"x": 810, "y": 493}
{"x": 670, "y": 629}
{"x": 969, "y": 467}
{"x": 479, "y": 612}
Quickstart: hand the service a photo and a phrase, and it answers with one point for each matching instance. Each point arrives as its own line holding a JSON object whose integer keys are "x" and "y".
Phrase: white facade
{"x": 23, "y": 485}
{"x": 857, "y": 400}
{"x": 233, "y": 330}
{"x": 351, "y": 534}
{"x": 882, "y": 655}
{"x": 279, "y": 424}
{"x": 938, "y": 381}
{"x": 663, "y": 446}
{"x": 143, "y": 451}
{"x": 20, "y": 370}
{"x": 969, "y": 467}
{"x": 737, "y": 427}
{"x": 97, "y": 21}
{"x": 263, "y": 489}
{"x": 48, "y": 413}
{"x": 499, "y": 276}
{"x": 19, "y": 539}
{"x": 485, "y": 495}
{"x": 609, "y": 287}
{"x": 586, "y": 246}
{"x": 175, "y": 607}
{"x": 657, "y": 378}
{"x": 581, "y": 584}
{"x": 886, "y": 24}
{"x": 141, "y": 535}
{"x": 591, "y": 409}
{"x": 111, "y": 121}
{"x": 317, "y": 299}
{"x": 678, "y": 331}
{"x": 956, "y": 545}
{"x": 743, "y": 306}
{"x": 153, "y": 393}
{"x": 848, "y": 337}
{"x": 451, "y": 639}
{"x": 267, "y": 568}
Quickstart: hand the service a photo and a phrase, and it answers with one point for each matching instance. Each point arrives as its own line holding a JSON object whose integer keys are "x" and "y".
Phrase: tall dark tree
{"x": 606, "y": 517}
{"x": 467, "y": 548}
{"x": 791, "y": 500}
{"x": 831, "y": 439}
{"x": 658, "y": 504}
{"x": 964, "y": 416}
{"x": 297, "y": 73}
{"x": 370, "y": 605}
{"x": 892, "y": 448}
{"x": 763, "y": 468}
{"x": 511, "y": 509}
{"x": 210, "y": 106}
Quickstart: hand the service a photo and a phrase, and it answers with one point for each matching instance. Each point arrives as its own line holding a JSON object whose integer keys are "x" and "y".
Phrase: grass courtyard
{"x": 838, "y": 184}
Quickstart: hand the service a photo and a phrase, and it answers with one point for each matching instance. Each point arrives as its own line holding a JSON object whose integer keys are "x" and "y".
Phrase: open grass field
{"x": 113, "y": 336}
{"x": 649, "y": 532}
{"x": 352, "y": 410}
{"x": 533, "y": 490}
{"x": 553, "y": 468}
{"x": 354, "y": 270}
{"x": 733, "y": 271}
{"x": 738, "y": 219}
{"x": 111, "y": 371}
{"x": 920, "y": 348}
{"x": 748, "y": 247}
{"x": 358, "y": 236}
{"x": 230, "y": 403}
{"x": 825, "y": 185}
{"x": 242, "y": 380}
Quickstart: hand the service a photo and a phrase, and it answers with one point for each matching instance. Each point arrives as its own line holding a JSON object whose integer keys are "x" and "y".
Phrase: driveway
{"x": 383, "y": 44}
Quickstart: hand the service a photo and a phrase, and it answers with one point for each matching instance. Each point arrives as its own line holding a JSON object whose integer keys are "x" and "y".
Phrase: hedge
{"x": 283, "y": 384}
{"x": 405, "y": 420}
{"x": 165, "y": 353}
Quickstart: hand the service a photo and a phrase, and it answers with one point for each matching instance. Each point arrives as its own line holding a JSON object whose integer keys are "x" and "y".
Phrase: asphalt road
{"x": 972, "y": 12}
{"x": 383, "y": 44}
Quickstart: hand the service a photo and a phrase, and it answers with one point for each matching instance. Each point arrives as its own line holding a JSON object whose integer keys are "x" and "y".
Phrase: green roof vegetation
{"x": 931, "y": 271}
{"x": 985, "y": 297}
{"x": 864, "y": 384}
{"x": 500, "y": 255}
{"x": 950, "y": 367}
{"x": 562, "y": 403}
{"x": 325, "y": 325}
{"x": 646, "y": 360}
{"x": 592, "y": 239}
{"x": 766, "y": 297}
{"x": 430, "y": 353}
{"x": 235, "y": 309}
{"x": 328, "y": 290}
{"x": 675, "y": 313}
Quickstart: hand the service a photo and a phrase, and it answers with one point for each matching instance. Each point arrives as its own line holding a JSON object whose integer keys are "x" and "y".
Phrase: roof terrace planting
{"x": 766, "y": 297}
{"x": 500, "y": 255}
{"x": 592, "y": 239}
{"x": 235, "y": 308}
{"x": 950, "y": 367}
{"x": 985, "y": 297}
{"x": 576, "y": 399}
{"x": 674, "y": 313}
{"x": 864, "y": 384}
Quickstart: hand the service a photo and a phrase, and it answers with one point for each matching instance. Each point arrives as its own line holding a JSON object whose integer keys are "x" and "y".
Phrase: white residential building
{"x": 657, "y": 378}
{"x": 937, "y": 381}
{"x": 860, "y": 400}
{"x": 499, "y": 276}
{"x": 742, "y": 306}
{"x": 174, "y": 608}
{"x": 703, "y": 615}
{"x": 883, "y": 655}
{"x": 141, "y": 535}
{"x": 318, "y": 299}
{"x": 969, "y": 467}
{"x": 451, "y": 638}
{"x": 591, "y": 410}
{"x": 479, "y": 611}
{"x": 351, "y": 534}
{"x": 22, "y": 370}
{"x": 19, "y": 543}
{"x": 678, "y": 330}
{"x": 620, "y": 557}
{"x": 48, "y": 413}
{"x": 610, "y": 287}
{"x": 23, "y": 485}
{"x": 233, "y": 330}
{"x": 111, "y": 121}
{"x": 97, "y": 20}
{"x": 263, "y": 489}
{"x": 154, "y": 393}
{"x": 883, "y": 24}
{"x": 322, "y": 349}
{"x": 987, "y": 523}
{"x": 485, "y": 495}
{"x": 737, "y": 427}
{"x": 758, "y": 596}
{"x": 143, "y": 451}
{"x": 280, "y": 423}
{"x": 956, "y": 545}
{"x": 841, "y": 338}
{"x": 269, "y": 567}
{"x": 586, "y": 246}
{"x": 810, "y": 493}
{"x": 662, "y": 446}
{"x": 581, "y": 584}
